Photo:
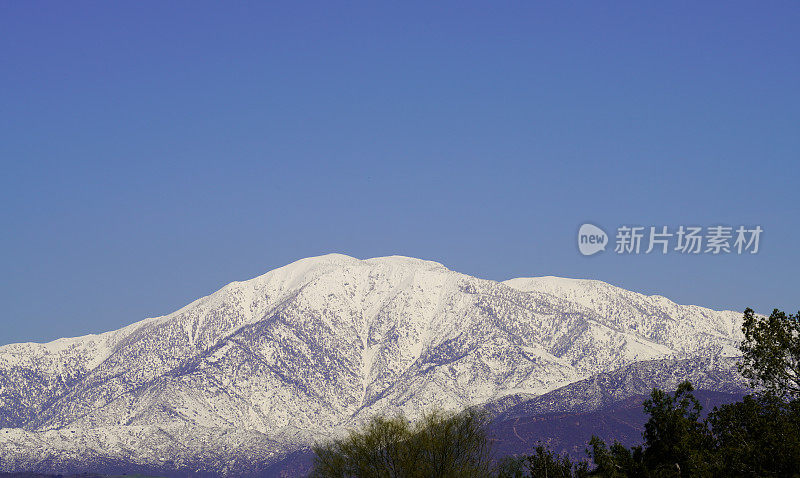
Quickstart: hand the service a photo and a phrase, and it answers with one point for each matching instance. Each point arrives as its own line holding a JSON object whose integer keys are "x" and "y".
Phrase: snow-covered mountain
{"x": 237, "y": 379}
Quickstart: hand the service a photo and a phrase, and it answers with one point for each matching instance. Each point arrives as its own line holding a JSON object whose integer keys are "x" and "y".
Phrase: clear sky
{"x": 154, "y": 151}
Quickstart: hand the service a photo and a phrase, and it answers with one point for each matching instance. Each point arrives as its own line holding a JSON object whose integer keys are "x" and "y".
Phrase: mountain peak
{"x": 404, "y": 260}
{"x": 303, "y": 271}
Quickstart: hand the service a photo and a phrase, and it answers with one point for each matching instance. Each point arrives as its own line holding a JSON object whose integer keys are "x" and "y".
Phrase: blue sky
{"x": 154, "y": 151}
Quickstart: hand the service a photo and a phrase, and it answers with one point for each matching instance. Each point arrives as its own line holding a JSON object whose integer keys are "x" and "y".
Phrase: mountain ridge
{"x": 321, "y": 344}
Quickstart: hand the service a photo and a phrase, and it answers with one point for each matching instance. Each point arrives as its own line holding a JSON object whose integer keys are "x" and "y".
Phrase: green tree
{"x": 439, "y": 445}
{"x": 617, "y": 461}
{"x": 675, "y": 441}
{"x": 771, "y": 352}
{"x": 542, "y": 463}
{"x": 759, "y": 436}
{"x": 377, "y": 451}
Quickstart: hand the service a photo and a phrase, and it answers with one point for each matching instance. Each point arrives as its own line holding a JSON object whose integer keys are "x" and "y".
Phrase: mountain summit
{"x": 235, "y": 380}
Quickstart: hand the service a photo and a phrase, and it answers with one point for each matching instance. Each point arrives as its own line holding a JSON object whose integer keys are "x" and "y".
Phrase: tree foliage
{"x": 616, "y": 461}
{"x": 759, "y": 436}
{"x": 674, "y": 438}
{"x": 676, "y": 443}
{"x": 439, "y": 445}
{"x": 771, "y": 352}
{"x": 544, "y": 463}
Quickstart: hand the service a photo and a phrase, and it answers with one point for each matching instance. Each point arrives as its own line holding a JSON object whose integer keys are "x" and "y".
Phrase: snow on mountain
{"x": 654, "y": 316}
{"x": 305, "y": 350}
